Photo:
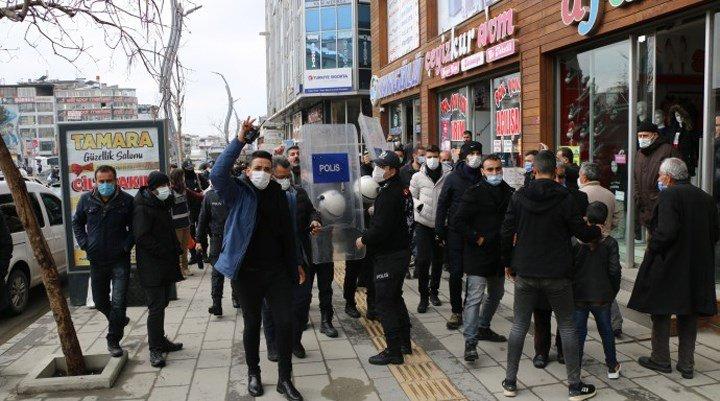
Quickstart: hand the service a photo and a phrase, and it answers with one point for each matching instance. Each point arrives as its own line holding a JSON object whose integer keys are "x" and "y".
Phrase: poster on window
{"x": 453, "y": 12}
{"x": 403, "y": 27}
{"x": 453, "y": 118}
{"x": 507, "y": 92}
{"x": 133, "y": 148}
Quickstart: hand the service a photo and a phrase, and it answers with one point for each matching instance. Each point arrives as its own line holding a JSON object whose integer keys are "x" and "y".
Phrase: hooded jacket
{"x": 425, "y": 195}
{"x": 452, "y": 191}
{"x": 104, "y": 230}
{"x": 539, "y": 223}
{"x": 157, "y": 248}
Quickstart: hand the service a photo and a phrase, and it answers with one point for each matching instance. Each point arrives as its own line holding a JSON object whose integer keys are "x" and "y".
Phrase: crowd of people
{"x": 551, "y": 238}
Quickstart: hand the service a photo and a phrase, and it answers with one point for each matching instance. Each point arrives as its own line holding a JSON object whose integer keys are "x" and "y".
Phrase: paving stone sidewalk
{"x": 212, "y": 364}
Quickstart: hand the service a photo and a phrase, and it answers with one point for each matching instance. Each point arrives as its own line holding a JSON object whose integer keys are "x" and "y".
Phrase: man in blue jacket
{"x": 260, "y": 254}
{"x": 102, "y": 225}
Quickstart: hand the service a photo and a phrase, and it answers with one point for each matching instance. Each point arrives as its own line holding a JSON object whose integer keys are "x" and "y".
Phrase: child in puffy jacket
{"x": 596, "y": 282}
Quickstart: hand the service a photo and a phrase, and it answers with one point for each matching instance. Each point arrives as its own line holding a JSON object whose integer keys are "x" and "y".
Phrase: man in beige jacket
{"x": 589, "y": 183}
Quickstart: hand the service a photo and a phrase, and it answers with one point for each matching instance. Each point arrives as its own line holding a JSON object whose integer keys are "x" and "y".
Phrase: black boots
{"x": 299, "y": 351}
{"x": 216, "y": 308}
{"x": 157, "y": 360}
{"x": 352, "y": 311}
{"x": 405, "y": 343}
{"x": 391, "y": 354}
{"x": 423, "y": 305}
{"x": 471, "y": 353}
{"x": 286, "y": 388}
{"x": 169, "y": 346}
{"x": 114, "y": 348}
{"x": 326, "y": 326}
{"x": 255, "y": 387}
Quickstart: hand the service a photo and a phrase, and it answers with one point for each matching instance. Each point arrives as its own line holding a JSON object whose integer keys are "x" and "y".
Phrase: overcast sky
{"x": 222, "y": 36}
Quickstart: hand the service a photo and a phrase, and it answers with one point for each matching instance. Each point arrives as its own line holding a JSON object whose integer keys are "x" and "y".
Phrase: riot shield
{"x": 330, "y": 169}
{"x": 373, "y": 135}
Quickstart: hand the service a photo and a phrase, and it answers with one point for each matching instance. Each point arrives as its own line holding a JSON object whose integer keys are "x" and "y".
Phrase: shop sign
{"x": 133, "y": 148}
{"x": 403, "y": 27}
{"x": 453, "y": 118}
{"x": 403, "y": 78}
{"x": 507, "y": 119}
{"x": 455, "y": 55}
{"x": 328, "y": 81}
{"x": 587, "y": 17}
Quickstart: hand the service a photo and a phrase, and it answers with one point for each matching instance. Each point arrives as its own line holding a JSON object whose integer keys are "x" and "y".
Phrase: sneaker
{"x": 471, "y": 353}
{"x": 648, "y": 363}
{"x": 509, "y": 388}
{"x": 614, "y": 373}
{"x": 454, "y": 322}
{"x": 581, "y": 391}
{"x": 423, "y": 306}
{"x": 486, "y": 334}
{"x": 435, "y": 300}
{"x": 352, "y": 311}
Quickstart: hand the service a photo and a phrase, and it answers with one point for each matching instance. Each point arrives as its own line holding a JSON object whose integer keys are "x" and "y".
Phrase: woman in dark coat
{"x": 677, "y": 276}
{"x": 157, "y": 252}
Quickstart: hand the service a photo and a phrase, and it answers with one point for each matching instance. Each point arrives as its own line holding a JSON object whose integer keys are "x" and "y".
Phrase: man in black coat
{"x": 102, "y": 225}
{"x": 6, "y": 251}
{"x": 479, "y": 218}
{"x": 211, "y": 222}
{"x": 535, "y": 244}
{"x": 157, "y": 252}
{"x": 677, "y": 276}
{"x": 465, "y": 174}
{"x": 388, "y": 239}
{"x": 197, "y": 183}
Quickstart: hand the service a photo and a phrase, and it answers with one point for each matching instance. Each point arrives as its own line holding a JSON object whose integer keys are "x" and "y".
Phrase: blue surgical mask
{"x": 495, "y": 179}
{"x": 106, "y": 188}
{"x": 528, "y": 167}
{"x": 661, "y": 186}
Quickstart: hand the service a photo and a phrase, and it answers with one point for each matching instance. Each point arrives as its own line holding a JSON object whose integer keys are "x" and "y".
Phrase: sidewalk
{"x": 212, "y": 364}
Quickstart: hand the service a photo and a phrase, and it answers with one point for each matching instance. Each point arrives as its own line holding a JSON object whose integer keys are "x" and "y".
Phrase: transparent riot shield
{"x": 330, "y": 171}
{"x": 373, "y": 135}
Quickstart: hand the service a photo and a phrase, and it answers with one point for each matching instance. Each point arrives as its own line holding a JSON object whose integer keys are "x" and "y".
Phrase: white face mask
{"x": 432, "y": 163}
{"x": 421, "y": 159}
{"x": 378, "y": 174}
{"x": 473, "y": 161}
{"x": 579, "y": 183}
{"x": 284, "y": 183}
{"x": 645, "y": 142}
{"x": 163, "y": 193}
{"x": 260, "y": 179}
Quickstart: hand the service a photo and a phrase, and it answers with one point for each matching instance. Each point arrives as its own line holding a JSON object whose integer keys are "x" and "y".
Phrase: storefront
{"x": 574, "y": 73}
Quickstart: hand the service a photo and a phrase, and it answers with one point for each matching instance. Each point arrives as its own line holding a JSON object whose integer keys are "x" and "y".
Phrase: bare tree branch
{"x": 230, "y": 109}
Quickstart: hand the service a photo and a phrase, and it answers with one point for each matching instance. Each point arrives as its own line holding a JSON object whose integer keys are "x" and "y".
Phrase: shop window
{"x": 329, "y": 49}
{"x": 453, "y": 112}
{"x": 312, "y": 20}
{"x": 397, "y": 123}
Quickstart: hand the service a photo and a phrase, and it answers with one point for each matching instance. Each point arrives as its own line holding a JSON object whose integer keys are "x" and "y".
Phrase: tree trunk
{"x": 58, "y": 304}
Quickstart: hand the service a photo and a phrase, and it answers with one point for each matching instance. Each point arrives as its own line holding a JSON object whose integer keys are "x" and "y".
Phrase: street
{"x": 37, "y": 306}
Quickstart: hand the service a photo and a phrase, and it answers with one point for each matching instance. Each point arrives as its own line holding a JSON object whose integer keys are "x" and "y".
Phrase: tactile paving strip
{"x": 419, "y": 377}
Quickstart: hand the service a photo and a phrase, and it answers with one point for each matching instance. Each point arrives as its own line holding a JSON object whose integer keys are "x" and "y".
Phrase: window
{"x": 344, "y": 49}
{"x": 7, "y": 206}
{"x": 27, "y": 107}
{"x": 46, "y": 132}
{"x": 363, "y": 16}
{"x": 328, "y": 19}
{"x": 45, "y": 120}
{"x": 26, "y": 120}
{"x": 44, "y": 106}
{"x": 344, "y": 17}
{"x": 312, "y": 20}
{"x": 53, "y": 207}
{"x": 329, "y": 50}
{"x": 28, "y": 133}
{"x": 364, "y": 50}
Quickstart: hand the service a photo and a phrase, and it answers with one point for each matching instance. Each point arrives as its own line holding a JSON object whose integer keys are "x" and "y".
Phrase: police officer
{"x": 211, "y": 222}
{"x": 388, "y": 238}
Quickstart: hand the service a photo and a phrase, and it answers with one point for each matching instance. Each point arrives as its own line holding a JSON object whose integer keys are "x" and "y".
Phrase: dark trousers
{"x": 604, "y": 325}
{"x": 455, "y": 260}
{"x": 194, "y": 254}
{"x": 158, "y": 299}
{"x": 117, "y": 273}
{"x": 389, "y": 271}
{"x": 359, "y": 270}
{"x": 253, "y": 287}
{"x": 217, "y": 286}
{"x": 429, "y": 252}
{"x": 687, "y": 334}
{"x": 302, "y": 297}
{"x": 542, "y": 338}
{"x": 559, "y": 293}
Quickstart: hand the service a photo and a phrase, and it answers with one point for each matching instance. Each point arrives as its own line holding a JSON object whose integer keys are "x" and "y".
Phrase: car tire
{"x": 18, "y": 288}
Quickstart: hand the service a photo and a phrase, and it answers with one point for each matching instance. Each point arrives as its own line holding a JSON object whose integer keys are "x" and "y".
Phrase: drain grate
{"x": 419, "y": 377}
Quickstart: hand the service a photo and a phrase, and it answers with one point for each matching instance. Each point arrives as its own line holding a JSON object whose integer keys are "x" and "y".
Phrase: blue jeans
{"x": 480, "y": 307}
{"x": 117, "y": 273}
{"x": 604, "y": 325}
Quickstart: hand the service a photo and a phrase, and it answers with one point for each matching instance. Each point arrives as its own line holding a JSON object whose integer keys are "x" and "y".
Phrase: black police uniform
{"x": 211, "y": 222}
{"x": 388, "y": 240}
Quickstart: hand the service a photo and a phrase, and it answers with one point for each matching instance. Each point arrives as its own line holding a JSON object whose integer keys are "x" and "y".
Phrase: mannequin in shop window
{"x": 642, "y": 112}
{"x": 659, "y": 120}
{"x": 684, "y": 138}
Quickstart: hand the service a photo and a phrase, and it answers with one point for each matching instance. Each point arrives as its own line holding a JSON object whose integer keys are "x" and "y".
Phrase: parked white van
{"x": 24, "y": 271}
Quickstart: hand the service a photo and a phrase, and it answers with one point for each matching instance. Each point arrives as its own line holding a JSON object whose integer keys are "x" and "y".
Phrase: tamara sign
{"x": 586, "y": 17}
{"x": 449, "y": 59}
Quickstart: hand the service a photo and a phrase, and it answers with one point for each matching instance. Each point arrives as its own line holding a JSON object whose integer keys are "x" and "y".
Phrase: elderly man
{"x": 677, "y": 276}
{"x": 589, "y": 183}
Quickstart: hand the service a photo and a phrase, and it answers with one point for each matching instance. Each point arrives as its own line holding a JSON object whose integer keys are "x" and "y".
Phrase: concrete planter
{"x": 42, "y": 380}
